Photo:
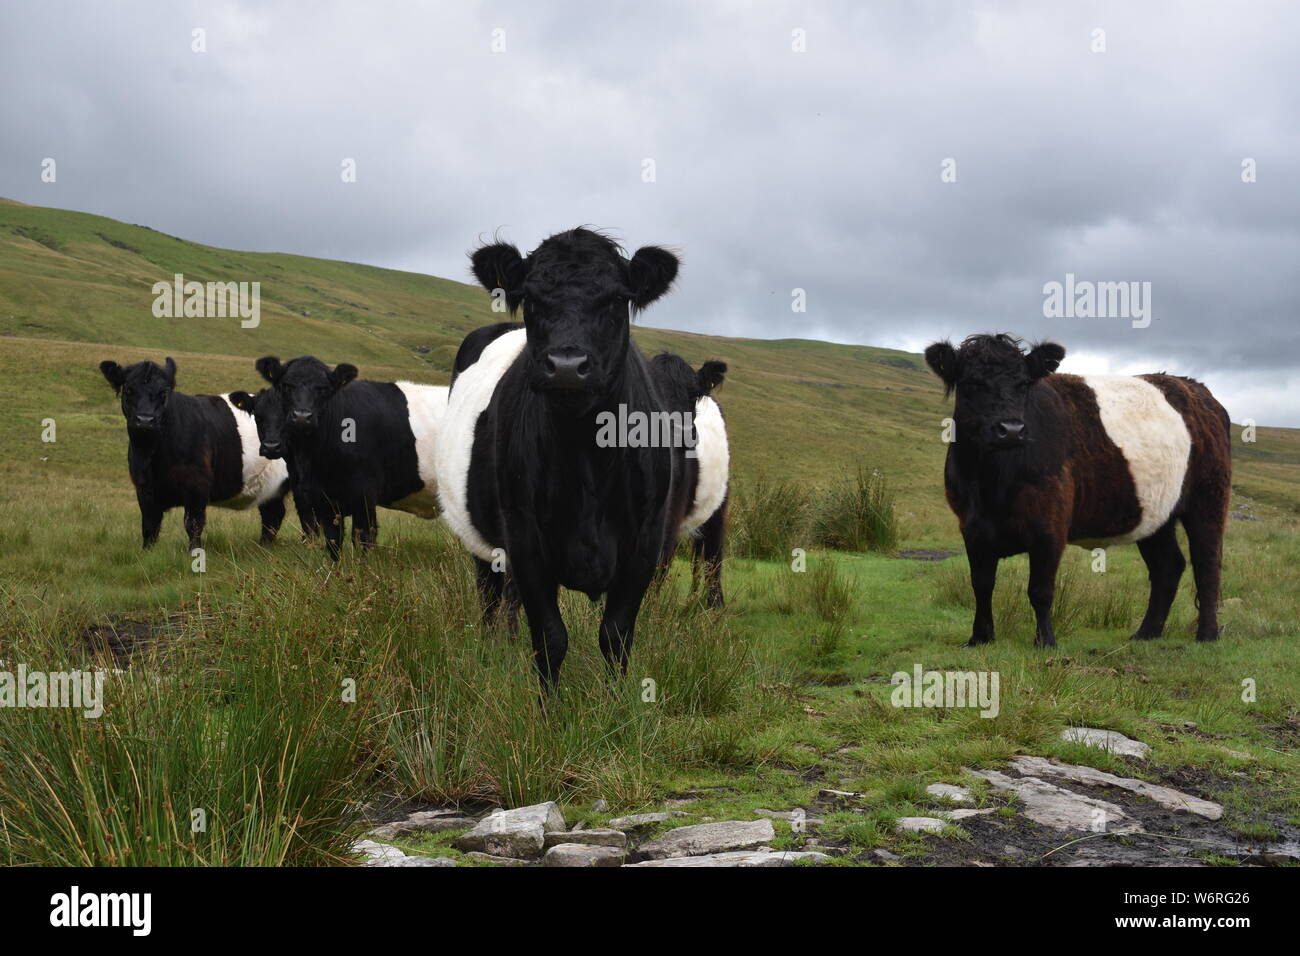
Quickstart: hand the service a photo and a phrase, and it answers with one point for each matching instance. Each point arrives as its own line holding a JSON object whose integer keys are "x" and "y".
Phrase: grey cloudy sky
{"x": 774, "y": 169}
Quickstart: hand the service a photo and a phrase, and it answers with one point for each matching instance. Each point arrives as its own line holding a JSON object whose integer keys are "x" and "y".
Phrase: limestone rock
{"x": 602, "y": 837}
{"x": 639, "y": 821}
{"x": 710, "y": 838}
{"x": 578, "y": 854}
{"x": 519, "y": 833}
{"x": 948, "y": 793}
{"x": 740, "y": 858}
{"x": 919, "y": 824}
{"x": 1057, "y": 807}
{"x": 1165, "y": 796}
{"x": 1108, "y": 740}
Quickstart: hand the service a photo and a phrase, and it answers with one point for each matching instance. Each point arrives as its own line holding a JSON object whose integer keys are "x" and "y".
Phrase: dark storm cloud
{"x": 775, "y": 170}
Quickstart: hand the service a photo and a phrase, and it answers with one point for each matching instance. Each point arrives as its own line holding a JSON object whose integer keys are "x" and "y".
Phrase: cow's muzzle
{"x": 1009, "y": 433}
{"x": 567, "y": 370}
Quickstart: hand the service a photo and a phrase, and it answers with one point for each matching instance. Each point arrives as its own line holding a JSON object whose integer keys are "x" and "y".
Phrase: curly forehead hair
{"x": 580, "y": 261}
{"x": 981, "y": 349}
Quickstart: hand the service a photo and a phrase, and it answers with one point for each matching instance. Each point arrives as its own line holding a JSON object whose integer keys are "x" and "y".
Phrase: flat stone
{"x": 741, "y": 858}
{"x": 919, "y": 824}
{"x": 423, "y": 821}
{"x": 791, "y": 816}
{"x": 887, "y": 856}
{"x": 639, "y": 821}
{"x": 1108, "y": 740}
{"x": 579, "y": 854}
{"x": 377, "y": 854}
{"x": 497, "y": 860}
{"x": 602, "y": 837}
{"x": 710, "y": 838}
{"x": 519, "y": 833}
{"x": 1057, "y": 807}
{"x": 1167, "y": 797}
{"x": 955, "y": 815}
{"x": 424, "y": 861}
{"x": 949, "y": 793}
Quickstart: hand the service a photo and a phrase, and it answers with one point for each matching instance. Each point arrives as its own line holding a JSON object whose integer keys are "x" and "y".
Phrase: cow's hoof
{"x": 1040, "y": 643}
{"x": 1144, "y": 636}
{"x": 978, "y": 642}
{"x": 1207, "y": 638}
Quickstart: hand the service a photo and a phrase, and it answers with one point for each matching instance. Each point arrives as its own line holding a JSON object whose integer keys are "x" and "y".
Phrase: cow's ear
{"x": 169, "y": 366}
{"x": 112, "y": 373}
{"x": 242, "y": 401}
{"x": 1043, "y": 359}
{"x": 269, "y": 367}
{"x": 342, "y": 374}
{"x": 500, "y": 266}
{"x": 943, "y": 361}
{"x": 651, "y": 271}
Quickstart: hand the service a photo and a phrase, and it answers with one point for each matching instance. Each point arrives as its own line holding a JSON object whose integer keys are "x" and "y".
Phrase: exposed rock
{"x": 1060, "y": 808}
{"x": 377, "y": 854}
{"x": 423, "y": 821}
{"x": 639, "y": 821}
{"x": 497, "y": 860}
{"x": 919, "y": 824}
{"x": 741, "y": 858}
{"x": 423, "y": 861}
{"x": 578, "y": 854}
{"x": 791, "y": 816}
{"x": 1165, "y": 796}
{"x": 886, "y": 855}
{"x": 956, "y": 815}
{"x": 1108, "y": 740}
{"x": 519, "y": 833}
{"x": 603, "y": 837}
{"x": 600, "y": 806}
{"x": 949, "y": 793}
{"x": 710, "y": 838}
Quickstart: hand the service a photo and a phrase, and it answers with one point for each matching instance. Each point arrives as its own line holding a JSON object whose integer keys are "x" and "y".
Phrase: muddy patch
{"x": 925, "y": 554}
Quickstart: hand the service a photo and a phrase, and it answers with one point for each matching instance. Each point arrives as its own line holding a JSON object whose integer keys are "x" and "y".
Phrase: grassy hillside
{"x": 761, "y": 705}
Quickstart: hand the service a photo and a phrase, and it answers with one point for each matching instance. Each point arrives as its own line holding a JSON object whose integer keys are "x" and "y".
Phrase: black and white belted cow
{"x": 1042, "y": 458}
{"x": 190, "y": 451}
{"x": 534, "y": 468}
{"x": 354, "y": 444}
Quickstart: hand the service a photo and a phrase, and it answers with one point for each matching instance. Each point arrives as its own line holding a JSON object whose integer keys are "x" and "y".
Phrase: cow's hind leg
{"x": 272, "y": 517}
{"x": 1044, "y": 559}
{"x": 1165, "y": 565}
{"x": 706, "y": 553}
{"x": 983, "y": 575}
{"x": 1204, "y": 526}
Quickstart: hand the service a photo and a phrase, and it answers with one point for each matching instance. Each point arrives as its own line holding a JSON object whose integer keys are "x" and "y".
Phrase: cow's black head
{"x": 578, "y": 292}
{"x": 145, "y": 389}
{"x": 993, "y": 377}
{"x": 267, "y": 411}
{"x": 304, "y": 385}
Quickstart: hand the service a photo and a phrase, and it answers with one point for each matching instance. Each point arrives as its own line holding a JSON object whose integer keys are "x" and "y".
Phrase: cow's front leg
{"x": 196, "y": 519}
{"x": 272, "y": 513}
{"x": 983, "y": 575}
{"x": 618, "y": 623}
{"x": 550, "y": 638}
{"x": 1044, "y": 558}
{"x": 332, "y": 527}
{"x": 151, "y": 515}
